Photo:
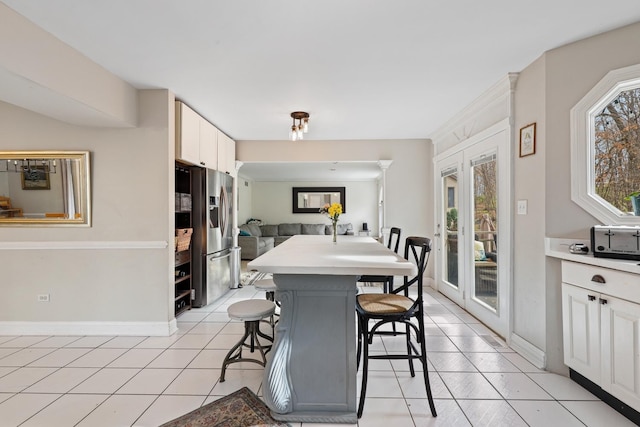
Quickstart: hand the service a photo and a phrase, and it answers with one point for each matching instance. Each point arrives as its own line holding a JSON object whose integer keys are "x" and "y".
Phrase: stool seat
{"x": 253, "y": 309}
{"x": 251, "y": 312}
{"x": 265, "y": 285}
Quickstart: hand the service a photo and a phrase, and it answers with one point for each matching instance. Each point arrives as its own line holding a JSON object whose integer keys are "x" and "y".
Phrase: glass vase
{"x": 335, "y": 231}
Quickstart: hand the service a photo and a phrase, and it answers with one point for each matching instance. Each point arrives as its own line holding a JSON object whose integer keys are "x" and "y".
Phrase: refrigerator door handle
{"x": 223, "y": 210}
{"x": 218, "y": 255}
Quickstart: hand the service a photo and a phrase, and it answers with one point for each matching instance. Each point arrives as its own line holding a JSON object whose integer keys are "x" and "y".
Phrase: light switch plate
{"x": 522, "y": 207}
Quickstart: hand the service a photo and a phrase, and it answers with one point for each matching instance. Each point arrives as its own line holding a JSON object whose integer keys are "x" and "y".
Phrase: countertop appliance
{"x": 212, "y": 250}
{"x": 616, "y": 241}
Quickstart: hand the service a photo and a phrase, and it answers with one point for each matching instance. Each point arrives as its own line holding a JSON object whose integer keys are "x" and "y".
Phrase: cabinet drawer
{"x": 615, "y": 283}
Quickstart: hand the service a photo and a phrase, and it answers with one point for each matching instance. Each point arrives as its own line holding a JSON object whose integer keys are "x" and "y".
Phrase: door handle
{"x": 223, "y": 211}
{"x": 591, "y": 297}
{"x": 603, "y": 301}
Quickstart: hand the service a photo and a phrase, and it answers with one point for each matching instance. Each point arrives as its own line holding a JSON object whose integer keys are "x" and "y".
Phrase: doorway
{"x": 473, "y": 223}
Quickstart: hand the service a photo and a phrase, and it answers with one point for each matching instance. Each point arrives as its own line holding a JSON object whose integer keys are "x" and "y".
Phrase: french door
{"x": 473, "y": 227}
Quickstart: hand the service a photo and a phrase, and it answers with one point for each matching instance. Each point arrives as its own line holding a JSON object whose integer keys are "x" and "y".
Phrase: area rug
{"x": 241, "y": 408}
{"x": 250, "y": 277}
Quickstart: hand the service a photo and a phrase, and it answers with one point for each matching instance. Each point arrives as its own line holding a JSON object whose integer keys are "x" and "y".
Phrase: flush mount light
{"x": 298, "y": 130}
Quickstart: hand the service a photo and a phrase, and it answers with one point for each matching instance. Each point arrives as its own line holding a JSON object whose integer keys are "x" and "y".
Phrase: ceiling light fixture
{"x": 298, "y": 130}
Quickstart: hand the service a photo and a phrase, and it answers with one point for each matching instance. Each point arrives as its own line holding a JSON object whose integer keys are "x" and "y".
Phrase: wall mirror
{"x": 311, "y": 199}
{"x": 44, "y": 188}
{"x": 605, "y": 149}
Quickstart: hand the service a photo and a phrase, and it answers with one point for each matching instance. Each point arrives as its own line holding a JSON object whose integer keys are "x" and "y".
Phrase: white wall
{"x": 118, "y": 272}
{"x": 529, "y": 294}
{"x": 245, "y": 206}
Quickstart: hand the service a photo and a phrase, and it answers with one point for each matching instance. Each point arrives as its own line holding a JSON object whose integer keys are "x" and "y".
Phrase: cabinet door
{"x": 226, "y": 154}
{"x": 187, "y": 134}
{"x": 208, "y": 144}
{"x": 621, "y": 349}
{"x": 581, "y": 329}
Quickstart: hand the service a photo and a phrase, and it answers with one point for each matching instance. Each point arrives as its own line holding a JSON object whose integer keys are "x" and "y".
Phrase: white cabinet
{"x": 196, "y": 138}
{"x": 187, "y": 134}
{"x": 601, "y": 327}
{"x": 208, "y": 145}
{"x": 226, "y": 154}
{"x": 581, "y": 329}
{"x": 621, "y": 349}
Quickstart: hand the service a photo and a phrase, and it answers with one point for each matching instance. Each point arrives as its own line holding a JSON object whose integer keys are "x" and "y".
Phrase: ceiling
{"x": 363, "y": 69}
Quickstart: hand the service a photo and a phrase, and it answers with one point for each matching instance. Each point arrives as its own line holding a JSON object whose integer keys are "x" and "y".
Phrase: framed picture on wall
{"x": 35, "y": 178}
{"x": 528, "y": 140}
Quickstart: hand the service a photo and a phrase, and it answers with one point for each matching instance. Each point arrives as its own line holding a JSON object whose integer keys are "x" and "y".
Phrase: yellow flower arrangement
{"x": 333, "y": 211}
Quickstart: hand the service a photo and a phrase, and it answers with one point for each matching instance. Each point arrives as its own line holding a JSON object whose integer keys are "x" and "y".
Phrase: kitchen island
{"x": 311, "y": 372}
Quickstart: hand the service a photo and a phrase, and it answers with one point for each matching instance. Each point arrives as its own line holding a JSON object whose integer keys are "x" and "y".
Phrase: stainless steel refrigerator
{"x": 212, "y": 239}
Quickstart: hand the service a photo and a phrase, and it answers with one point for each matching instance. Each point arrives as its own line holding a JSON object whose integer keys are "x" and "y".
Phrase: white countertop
{"x": 351, "y": 255}
{"x": 559, "y": 248}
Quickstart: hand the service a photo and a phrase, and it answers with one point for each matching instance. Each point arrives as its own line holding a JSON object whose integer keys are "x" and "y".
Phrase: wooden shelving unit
{"x": 183, "y": 220}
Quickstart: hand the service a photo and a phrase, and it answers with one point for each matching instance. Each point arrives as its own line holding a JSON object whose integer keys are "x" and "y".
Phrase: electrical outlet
{"x": 522, "y": 207}
{"x": 43, "y": 298}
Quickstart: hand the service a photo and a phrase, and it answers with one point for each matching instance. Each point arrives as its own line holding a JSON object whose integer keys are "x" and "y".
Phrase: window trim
{"x": 582, "y": 145}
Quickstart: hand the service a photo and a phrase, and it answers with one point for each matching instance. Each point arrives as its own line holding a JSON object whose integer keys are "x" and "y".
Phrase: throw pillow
{"x": 254, "y": 230}
{"x": 478, "y": 251}
{"x": 244, "y": 233}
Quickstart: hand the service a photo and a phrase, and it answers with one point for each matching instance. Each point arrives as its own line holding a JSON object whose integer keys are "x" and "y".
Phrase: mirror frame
{"x": 299, "y": 190}
{"x": 84, "y": 205}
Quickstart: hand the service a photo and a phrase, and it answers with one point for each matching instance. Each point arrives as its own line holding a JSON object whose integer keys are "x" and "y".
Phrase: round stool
{"x": 251, "y": 312}
{"x": 268, "y": 286}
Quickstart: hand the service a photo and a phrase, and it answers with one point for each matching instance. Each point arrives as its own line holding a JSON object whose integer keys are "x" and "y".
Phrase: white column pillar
{"x": 384, "y": 231}
{"x": 236, "y": 196}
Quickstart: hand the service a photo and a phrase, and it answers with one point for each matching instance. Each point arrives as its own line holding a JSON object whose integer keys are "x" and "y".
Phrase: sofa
{"x": 254, "y": 239}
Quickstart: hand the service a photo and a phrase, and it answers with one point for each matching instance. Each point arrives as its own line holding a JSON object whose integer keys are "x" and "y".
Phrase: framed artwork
{"x": 528, "y": 140}
{"x": 35, "y": 178}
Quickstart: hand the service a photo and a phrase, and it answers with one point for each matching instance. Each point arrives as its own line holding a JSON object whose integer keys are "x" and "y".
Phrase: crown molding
{"x": 500, "y": 91}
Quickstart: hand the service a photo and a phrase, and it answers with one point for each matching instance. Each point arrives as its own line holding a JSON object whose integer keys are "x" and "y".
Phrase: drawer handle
{"x": 598, "y": 279}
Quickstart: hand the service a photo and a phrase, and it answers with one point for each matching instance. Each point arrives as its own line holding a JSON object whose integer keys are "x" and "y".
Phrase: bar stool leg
{"x": 251, "y": 332}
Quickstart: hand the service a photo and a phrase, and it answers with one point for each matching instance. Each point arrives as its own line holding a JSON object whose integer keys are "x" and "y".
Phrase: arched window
{"x": 605, "y": 148}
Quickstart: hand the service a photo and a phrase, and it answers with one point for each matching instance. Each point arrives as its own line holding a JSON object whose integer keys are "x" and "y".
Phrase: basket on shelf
{"x": 183, "y": 239}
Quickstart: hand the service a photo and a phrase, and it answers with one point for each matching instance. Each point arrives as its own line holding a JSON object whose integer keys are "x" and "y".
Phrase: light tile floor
{"x": 59, "y": 381}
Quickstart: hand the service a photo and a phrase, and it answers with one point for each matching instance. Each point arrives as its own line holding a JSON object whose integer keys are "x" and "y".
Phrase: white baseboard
{"x": 529, "y": 351}
{"x": 157, "y": 329}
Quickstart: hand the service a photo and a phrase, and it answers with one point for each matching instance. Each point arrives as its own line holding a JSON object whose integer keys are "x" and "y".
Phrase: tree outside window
{"x": 617, "y": 150}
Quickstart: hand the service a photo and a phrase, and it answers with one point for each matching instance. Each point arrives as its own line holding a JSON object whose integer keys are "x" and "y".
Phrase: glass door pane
{"x": 450, "y": 192}
{"x": 485, "y": 228}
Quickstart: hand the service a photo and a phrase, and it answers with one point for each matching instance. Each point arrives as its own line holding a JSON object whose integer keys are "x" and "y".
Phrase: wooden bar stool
{"x": 397, "y": 306}
{"x": 251, "y": 312}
